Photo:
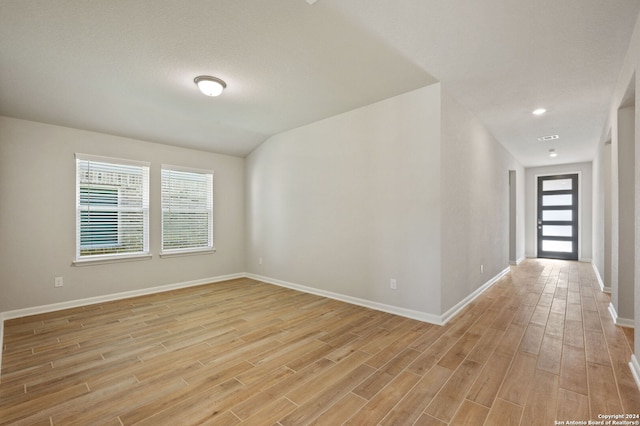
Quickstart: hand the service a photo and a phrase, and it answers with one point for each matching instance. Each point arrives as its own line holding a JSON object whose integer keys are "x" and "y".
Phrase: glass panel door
{"x": 558, "y": 217}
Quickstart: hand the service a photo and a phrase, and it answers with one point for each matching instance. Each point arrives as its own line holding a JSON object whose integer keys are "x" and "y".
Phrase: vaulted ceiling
{"x": 126, "y": 67}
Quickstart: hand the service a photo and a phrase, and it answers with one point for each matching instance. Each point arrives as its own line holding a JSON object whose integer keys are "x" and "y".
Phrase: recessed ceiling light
{"x": 548, "y": 138}
{"x": 210, "y": 86}
{"x": 539, "y": 111}
{"x": 553, "y": 153}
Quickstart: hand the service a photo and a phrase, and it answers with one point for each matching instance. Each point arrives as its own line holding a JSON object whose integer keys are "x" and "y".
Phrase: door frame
{"x": 513, "y": 217}
{"x": 535, "y": 206}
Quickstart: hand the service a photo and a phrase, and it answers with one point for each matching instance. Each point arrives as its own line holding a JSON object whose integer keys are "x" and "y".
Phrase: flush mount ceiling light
{"x": 538, "y": 111}
{"x": 553, "y": 153}
{"x": 548, "y": 138}
{"x": 210, "y": 86}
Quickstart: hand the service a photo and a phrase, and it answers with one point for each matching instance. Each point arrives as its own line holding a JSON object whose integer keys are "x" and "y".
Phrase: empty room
{"x": 296, "y": 212}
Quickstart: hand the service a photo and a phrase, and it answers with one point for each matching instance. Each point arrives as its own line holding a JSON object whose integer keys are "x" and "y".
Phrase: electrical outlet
{"x": 393, "y": 284}
{"x": 58, "y": 282}
{"x": 482, "y": 269}
{"x": 260, "y": 261}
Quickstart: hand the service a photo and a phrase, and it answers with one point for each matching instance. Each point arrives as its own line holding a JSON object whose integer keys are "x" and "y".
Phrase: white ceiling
{"x": 126, "y": 67}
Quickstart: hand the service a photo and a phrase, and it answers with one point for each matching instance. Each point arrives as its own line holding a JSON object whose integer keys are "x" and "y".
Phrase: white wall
{"x": 475, "y": 204}
{"x": 622, "y": 289}
{"x": 601, "y": 196}
{"x": 585, "y": 195}
{"x": 37, "y": 216}
{"x": 606, "y": 191}
{"x": 345, "y": 204}
{"x": 629, "y": 79}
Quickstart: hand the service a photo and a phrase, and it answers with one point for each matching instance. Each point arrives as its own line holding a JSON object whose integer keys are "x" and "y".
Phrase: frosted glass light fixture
{"x": 210, "y": 86}
{"x": 539, "y": 111}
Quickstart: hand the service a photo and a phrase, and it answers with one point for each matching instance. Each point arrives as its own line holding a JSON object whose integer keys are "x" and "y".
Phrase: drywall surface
{"x": 601, "y": 236}
{"x": 37, "y": 216}
{"x": 622, "y": 291}
{"x": 348, "y": 203}
{"x": 475, "y": 204}
{"x": 622, "y": 97}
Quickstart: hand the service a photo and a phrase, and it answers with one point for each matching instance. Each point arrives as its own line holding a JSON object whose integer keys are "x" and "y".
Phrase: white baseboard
{"x": 18, "y": 313}
{"x": 464, "y": 302}
{"x": 408, "y": 313}
{"x": 622, "y": 322}
{"x": 603, "y": 288}
{"x": 517, "y": 261}
{"x": 613, "y": 313}
{"x": 635, "y": 369}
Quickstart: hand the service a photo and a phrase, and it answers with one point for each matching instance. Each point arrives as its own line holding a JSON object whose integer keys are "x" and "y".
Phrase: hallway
{"x": 572, "y": 359}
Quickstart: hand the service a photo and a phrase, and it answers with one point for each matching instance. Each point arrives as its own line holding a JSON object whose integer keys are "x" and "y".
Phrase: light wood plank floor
{"x": 538, "y": 346}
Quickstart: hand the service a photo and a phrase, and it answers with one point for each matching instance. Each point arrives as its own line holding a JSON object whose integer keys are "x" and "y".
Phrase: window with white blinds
{"x": 187, "y": 210}
{"x": 112, "y": 208}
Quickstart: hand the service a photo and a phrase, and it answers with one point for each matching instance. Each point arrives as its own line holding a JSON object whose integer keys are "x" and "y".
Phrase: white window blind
{"x": 112, "y": 208}
{"x": 187, "y": 210}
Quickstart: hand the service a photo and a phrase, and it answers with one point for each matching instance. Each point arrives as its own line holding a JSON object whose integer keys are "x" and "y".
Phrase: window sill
{"x": 191, "y": 252}
{"x": 110, "y": 259}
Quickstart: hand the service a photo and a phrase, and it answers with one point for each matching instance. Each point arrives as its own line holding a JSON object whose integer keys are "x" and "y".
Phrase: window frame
{"x": 210, "y": 247}
{"x": 86, "y": 259}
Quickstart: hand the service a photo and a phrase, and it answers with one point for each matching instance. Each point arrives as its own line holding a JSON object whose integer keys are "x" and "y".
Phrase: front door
{"x": 558, "y": 217}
